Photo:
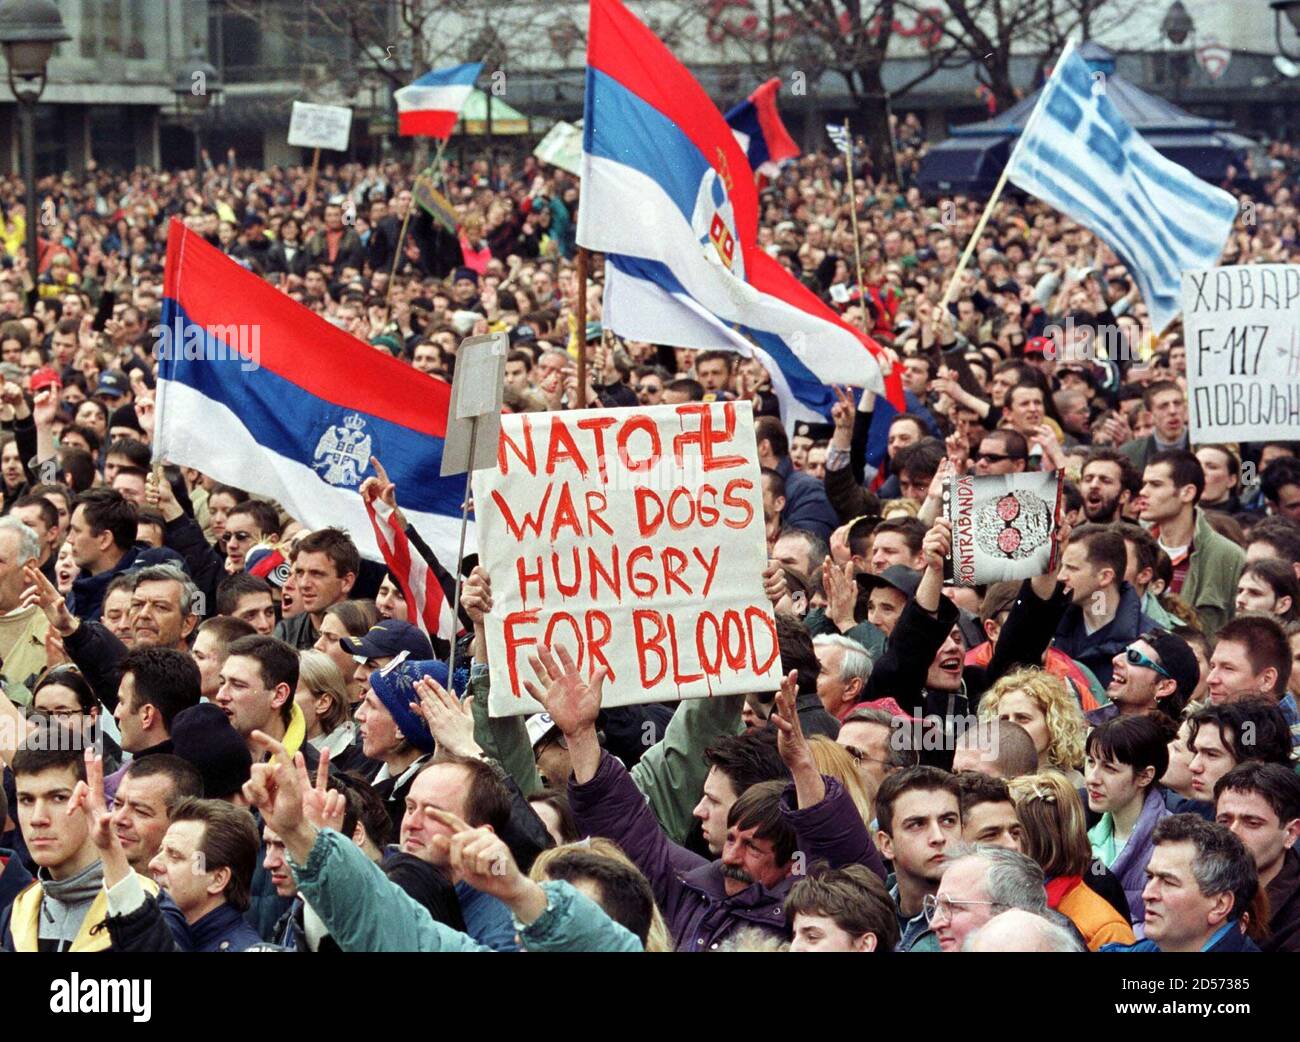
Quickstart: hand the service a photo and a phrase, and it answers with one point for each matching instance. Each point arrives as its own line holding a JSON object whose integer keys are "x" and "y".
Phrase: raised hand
{"x": 476, "y": 595}
{"x": 146, "y": 413}
{"x": 275, "y": 791}
{"x": 937, "y": 544}
{"x": 841, "y": 593}
{"x": 88, "y": 798}
{"x": 573, "y": 703}
{"x": 321, "y": 807}
{"x": 45, "y": 406}
{"x": 774, "y": 584}
{"x": 40, "y": 591}
{"x": 450, "y": 721}
{"x": 479, "y": 857}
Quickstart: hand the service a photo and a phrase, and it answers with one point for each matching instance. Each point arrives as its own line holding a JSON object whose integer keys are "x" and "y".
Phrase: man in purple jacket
{"x": 774, "y": 830}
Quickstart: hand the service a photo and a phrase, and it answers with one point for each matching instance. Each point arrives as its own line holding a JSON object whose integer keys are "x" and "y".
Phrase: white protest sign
{"x": 633, "y": 538}
{"x": 320, "y": 126}
{"x": 562, "y": 147}
{"x": 1242, "y": 330}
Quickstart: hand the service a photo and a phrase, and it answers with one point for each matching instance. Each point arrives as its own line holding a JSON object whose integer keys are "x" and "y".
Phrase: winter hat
{"x": 395, "y": 688}
{"x": 268, "y": 562}
{"x": 204, "y": 736}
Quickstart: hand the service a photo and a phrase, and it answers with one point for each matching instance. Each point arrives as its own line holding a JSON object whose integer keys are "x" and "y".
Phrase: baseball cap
{"x": 45, "y": 377}
{"x": 1037, "y": 345}
{"x": 898, "y": 577}
{"x": 387, "y": 639}
{"x": 1178, "y": 659}
{"x": 113, "y": 382}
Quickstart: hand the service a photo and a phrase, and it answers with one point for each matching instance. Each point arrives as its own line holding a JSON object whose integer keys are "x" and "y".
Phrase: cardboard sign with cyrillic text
{"x": 1242, "y": 330}
{"x": 634, "y": 538}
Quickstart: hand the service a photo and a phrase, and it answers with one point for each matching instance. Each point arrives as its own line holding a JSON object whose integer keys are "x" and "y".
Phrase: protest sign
{"x": 1242, "y": 330}
{"x": 320, "y": 126}
{"x": 633, "y": 538}
{"x": 434, "y": 203}
{"x": 1002, "y": 526}
{"x": 562, "y": 147}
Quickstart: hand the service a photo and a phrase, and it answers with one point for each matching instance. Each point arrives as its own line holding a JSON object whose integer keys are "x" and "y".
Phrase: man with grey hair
{"x": 1201, "y": 880}
{"x": 845, "y": 669}
{"x": 23, "y": 625}
{"x": 978, "y": 883}
{"x": 164, "y": 610}
{"x": 1016, "y": 930}
{"x": 879, "y": 742}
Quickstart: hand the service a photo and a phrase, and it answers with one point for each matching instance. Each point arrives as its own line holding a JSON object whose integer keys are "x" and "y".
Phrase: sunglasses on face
{"x": 1136, "y": 658}
{"x": 994, "y": 457}
{"x": 236, "y": 537}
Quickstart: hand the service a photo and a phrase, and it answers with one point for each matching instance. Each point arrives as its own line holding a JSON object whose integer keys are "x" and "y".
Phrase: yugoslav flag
{"x": 431, "y": 105}
{"x": 261, "y": 393}
{"x": 758, "y": 127}
{"x": 668, "y": 195}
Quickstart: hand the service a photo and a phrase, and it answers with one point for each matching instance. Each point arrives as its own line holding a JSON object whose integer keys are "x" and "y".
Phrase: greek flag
{"x": 1078, "y": 154}
{"x": 840, "y": 136}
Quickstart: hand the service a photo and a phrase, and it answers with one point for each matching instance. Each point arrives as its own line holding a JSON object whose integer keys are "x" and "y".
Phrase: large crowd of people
{"x": 223, "y": 731}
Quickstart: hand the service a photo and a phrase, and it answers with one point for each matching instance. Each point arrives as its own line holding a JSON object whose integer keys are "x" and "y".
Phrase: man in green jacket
{"x": 1206, "y": 564}
{"x": 364, "y": 911}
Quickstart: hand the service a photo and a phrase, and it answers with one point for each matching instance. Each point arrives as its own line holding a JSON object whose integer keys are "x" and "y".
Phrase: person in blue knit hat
{"x": 392, "y": 734}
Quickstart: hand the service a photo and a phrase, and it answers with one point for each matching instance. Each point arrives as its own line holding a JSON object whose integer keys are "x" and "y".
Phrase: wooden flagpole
{"x": 582, "y": 262}
{"x": 853, "y": 213}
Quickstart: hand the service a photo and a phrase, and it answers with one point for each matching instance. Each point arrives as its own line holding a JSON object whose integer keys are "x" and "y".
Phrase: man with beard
{"x": 1108, "y": 481}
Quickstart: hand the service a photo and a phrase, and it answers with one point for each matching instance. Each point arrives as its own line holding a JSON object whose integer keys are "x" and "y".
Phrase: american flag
{"x": 840, "y": 136}
{"x": 427, "y": 586}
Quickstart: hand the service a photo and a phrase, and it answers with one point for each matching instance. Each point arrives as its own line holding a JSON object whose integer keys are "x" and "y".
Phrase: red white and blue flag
{"x": 669, "y": 197}
{"x": 426, "y": 585}
{"x": 431, "y": 105}
{"x": 758, "y": 127}
{"x": 259, "y": 392}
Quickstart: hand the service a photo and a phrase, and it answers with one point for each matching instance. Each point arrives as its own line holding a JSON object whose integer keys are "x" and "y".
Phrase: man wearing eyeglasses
{"x": 978, "y": 883}
{"x": 1157, "y": 667}
{"x": 1001, "y": 452}
{"x": 248, "y": 523}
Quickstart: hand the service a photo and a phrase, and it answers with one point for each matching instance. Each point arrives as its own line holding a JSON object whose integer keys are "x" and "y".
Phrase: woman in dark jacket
{"x": 287, "y": 254}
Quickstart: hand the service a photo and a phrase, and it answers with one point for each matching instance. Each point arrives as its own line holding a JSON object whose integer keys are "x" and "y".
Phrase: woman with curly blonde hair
{"x": 1044, "y": 706}
{"x": 572, "y": 863}
{"x": 1055, "y": 835}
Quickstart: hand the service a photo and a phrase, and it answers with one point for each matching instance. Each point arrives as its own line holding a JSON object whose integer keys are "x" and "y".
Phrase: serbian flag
{"x": 427, "y": 586}
{"x": 758, "y": 127}
{"x": 669, "y": 197}
{"x": 431, "y": 105}
{"x": 261, "y": 393}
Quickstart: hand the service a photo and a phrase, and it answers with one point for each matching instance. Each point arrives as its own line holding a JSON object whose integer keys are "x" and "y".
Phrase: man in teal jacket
{"x": 363, "y": 911}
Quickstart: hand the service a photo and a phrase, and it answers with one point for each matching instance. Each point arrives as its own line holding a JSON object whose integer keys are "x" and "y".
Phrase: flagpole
{"x": 853, "y": 212}
{"x": 997, "y": 192}
{"x": 401, "y": 236}
{"x": 582, "y": 326}
{"x": 311, "y": 179}
{"x": 460, "y": 557}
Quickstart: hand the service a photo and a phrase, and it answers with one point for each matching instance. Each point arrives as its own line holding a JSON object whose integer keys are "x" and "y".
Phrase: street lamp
{"x": 29, "y": 29}
{"x": 1177, "y": 27}
{"x": 197, "y": 85}
{"x": 1290, "y": 8}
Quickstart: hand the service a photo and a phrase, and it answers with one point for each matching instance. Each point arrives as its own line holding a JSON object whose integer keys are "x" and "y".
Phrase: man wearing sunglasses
{"x": 1157, "y": 671}
{"x": 248, "y": 523}
{"x": 1001, "y": 452}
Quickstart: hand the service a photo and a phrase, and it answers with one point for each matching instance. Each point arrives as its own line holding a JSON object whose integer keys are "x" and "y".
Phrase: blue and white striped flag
{"x": 840, "y": 137}
{"x": 1078, "y": 154}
